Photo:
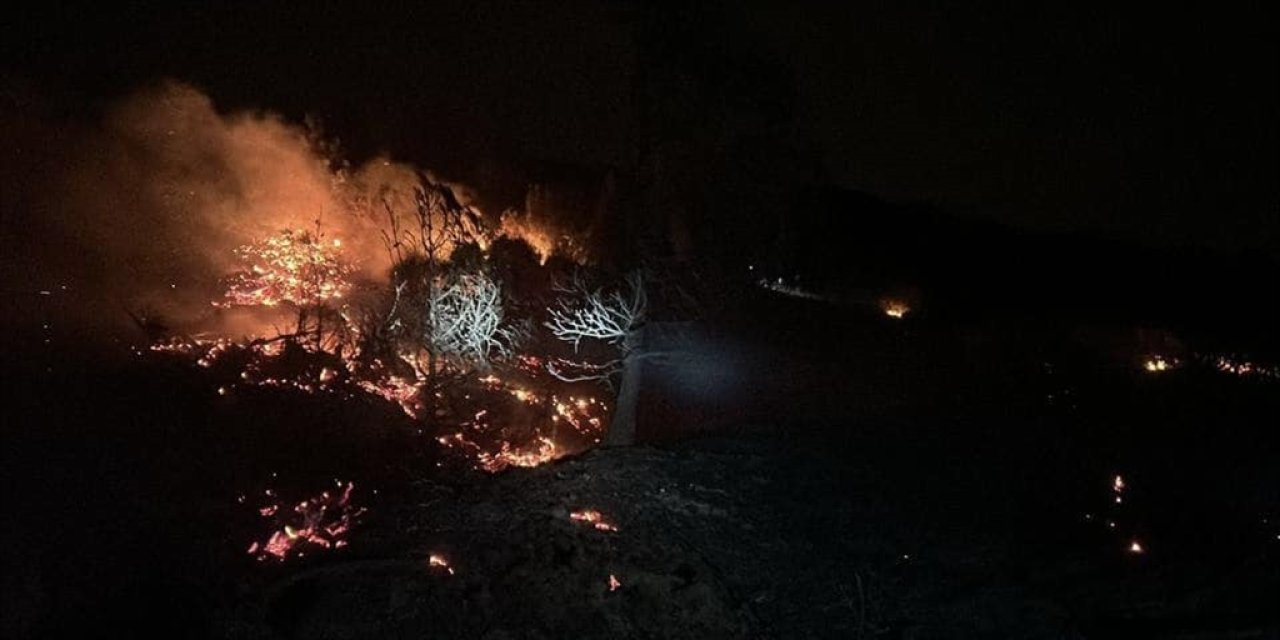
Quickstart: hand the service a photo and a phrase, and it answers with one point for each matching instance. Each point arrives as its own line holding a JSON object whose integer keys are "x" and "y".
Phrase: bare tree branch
{"x": 582, "y": 313}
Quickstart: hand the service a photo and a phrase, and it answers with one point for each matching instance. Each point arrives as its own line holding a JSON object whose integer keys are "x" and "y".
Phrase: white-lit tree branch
{"x": 572, "y": 371}
{"x": 466, "y": 318}
{"x": 582, "y": 313}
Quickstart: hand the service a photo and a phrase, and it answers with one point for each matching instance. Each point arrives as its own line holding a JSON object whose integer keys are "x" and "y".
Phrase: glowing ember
{"x": 1136, "y": 548}
{"x": 321, "y": 521}
{"x": 614, "y": 583}
{"x": 542, "y": 452}
{"x": 594, "y": 518}
{"x": 1117, "y": 484}
{"x": 396, "y": 389}
{"x": 1157, "y": 364}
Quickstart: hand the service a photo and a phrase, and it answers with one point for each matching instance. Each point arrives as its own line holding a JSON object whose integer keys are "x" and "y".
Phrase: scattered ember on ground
{"x": 1243, "y": 368}
{"x": 594, "y": 518}
{"x": 1119, "y": 522}
{"x": 614, "y": 583}
{"x": 542, "y": 452}
{"x": 322, "y": 521}
{"x": 485, "y": 429}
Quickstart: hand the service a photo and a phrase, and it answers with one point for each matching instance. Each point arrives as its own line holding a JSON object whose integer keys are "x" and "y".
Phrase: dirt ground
{"x": 884, "y": 480}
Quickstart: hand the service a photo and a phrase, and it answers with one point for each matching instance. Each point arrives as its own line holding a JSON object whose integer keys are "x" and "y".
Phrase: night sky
{"x": 1157, "y": 125}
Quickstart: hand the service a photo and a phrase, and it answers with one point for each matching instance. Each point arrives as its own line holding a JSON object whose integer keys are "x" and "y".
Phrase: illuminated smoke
{"x": 145, "y": 208}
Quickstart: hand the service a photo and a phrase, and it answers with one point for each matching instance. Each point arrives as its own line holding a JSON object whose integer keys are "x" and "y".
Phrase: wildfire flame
{"x": 1244, "y": 368}
{"x": 437, "y": 561}
{"x": 544, "y": 241}
{"x": 896, "y": 309}
{"x": 293, "y": 267}
{"x": 305, "y": 270}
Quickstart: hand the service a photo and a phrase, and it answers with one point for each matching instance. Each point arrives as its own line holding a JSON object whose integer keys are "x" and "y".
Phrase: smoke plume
{"x": 143, "y": 211}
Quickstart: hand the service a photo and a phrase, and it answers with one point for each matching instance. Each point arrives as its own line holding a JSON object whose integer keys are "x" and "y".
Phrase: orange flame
{"x": 594, "y": 518}
{"x": 292, "y": 267}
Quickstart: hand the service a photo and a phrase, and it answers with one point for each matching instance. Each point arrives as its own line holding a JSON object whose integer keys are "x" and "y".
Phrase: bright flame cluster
{"x": 291, "y": 267}
{"x": 895, "y": 309}
{"x": 437, "y": 561}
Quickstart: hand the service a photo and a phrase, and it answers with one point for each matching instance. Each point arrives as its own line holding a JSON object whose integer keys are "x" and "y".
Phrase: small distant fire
{"x": 1117, "y": 520}
{"x": 544, "y": 240}
{"x": 594, "y": 518}
{"x": 437, "y": 561}
{"x": 896, "y": 309}
{"x": 614, "y": 583}
{"x": 320, "y": 522}
{"x": 1227, "y": 364}
{"x": 1243, "y": 368}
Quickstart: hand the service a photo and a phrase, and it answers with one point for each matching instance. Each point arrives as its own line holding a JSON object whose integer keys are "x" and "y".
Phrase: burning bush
{"x": 441, "y": 338}
{"x": 294, "y": 267}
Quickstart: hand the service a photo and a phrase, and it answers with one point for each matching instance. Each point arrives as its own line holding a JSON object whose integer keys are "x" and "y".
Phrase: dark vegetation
{"x": 973, "y": 269}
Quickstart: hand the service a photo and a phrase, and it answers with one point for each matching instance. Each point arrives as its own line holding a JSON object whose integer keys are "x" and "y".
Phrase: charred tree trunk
{"x": 622, "y": 429}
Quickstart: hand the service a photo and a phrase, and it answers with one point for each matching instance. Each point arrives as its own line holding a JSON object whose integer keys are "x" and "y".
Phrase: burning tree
{"x": 422, "y": 280}
{"x": 615, "y": 317}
